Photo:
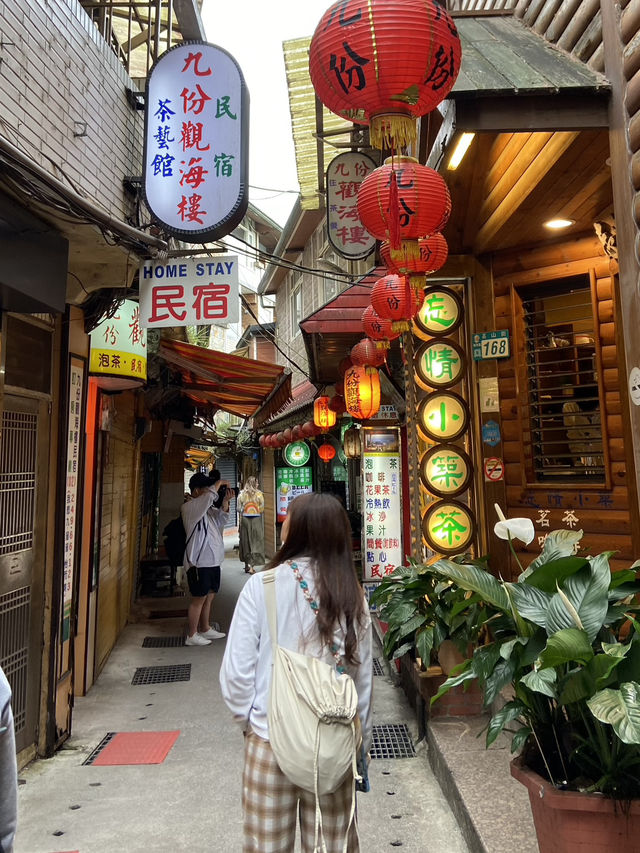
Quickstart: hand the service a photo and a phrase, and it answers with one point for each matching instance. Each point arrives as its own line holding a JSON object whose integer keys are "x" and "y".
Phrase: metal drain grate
{"x": 176, "y": 613}
{"x": 162, "y": 642}
{"x": 96, "y": 752}
{"x": 392, "y": 741}
{"x": 162, "y": 674}
{"x": 377, "y": 667}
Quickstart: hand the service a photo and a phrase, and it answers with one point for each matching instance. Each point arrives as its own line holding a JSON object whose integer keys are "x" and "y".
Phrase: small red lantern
{"x": 362, "y": 392}
{"x": 280, "y": 439}
{"x": 415, "y": 203}
{"x": 378, "y": 328}
{"x": 323, "y": 417}
{"x": 367, "y": 354}
{"x": 433, "y": 253}
{"x": 384, "y": 64}
{"x": 393, "y": 298}
{"x": 261, "y": 440}
{"x": 296, "y": 433}
{"x": 344, "y": 365}
{"x": 326, "y": 452}
{"x": 338, "y": 388}
{"x": 309, "y": 429}
{"x": 288, "y": 438}
{"x": 337, "y": 404}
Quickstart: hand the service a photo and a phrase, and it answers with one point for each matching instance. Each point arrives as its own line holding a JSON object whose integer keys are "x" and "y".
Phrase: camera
{"x": 222, "y": 492}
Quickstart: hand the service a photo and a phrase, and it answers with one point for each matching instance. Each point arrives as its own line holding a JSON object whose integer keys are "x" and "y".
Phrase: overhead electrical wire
{"x": 270, "y": 335}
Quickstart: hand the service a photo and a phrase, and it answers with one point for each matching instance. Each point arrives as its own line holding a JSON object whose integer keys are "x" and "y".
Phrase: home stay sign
{"x": 189, "y": 292}
{"x": 195, "y": 172}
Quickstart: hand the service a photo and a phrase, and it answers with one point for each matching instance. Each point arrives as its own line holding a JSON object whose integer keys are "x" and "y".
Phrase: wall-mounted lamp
{"x": 460, "y": 150}
{"x": 559, "y": 223}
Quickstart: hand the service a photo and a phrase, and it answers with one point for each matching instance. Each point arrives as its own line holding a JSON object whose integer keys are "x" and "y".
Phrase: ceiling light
{"x": 460, "y": 150}
{"x": 557, "y": 224}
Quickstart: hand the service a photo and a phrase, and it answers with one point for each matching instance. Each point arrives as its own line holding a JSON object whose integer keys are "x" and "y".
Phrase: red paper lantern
{"x": 384, "y": 64}
{"x": 280, "y": 442}
{"x": 337, "y": 404}
{"x": 344, "y": 365}
{"x": 378, "y": 328}
{"x": 366, "y": 354}
{"x": 323, "y": 417}
{"x": 288, "y": 437}
{"x": 296, "y": 432}
{"x": 309, "y": 429}
{"x": 261, "y": 440}
{"x": 433, "y": 252}
{"x": 338, "y": 388}
{"x": 326, "y": 452}
{"x": 362, "y": 392}
{"x": 393, "y": 298}
{"x": 416, "y": 203}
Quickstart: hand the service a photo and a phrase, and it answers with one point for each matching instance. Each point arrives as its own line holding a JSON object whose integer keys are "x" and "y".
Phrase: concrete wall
{"x": 56, "y": 71}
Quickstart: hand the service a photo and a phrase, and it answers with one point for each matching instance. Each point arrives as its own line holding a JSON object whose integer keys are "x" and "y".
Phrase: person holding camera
{"x": 204, "y": 518}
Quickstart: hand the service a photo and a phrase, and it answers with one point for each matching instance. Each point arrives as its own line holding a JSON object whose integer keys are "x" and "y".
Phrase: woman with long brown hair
{"x": 314, "y": 564}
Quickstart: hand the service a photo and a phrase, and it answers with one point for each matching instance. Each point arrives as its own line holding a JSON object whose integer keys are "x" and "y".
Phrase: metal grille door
{"x": 17, "y": 481}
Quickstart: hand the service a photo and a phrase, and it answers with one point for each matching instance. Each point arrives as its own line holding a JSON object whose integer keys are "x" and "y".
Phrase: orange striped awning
{"x": 229, "y": 382}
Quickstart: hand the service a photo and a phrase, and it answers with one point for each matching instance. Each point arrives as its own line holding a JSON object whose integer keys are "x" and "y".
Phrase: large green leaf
{"x": 621, "y": 709}
{"x": 541, "y": 681}
{"x": 598, "y": 673}
{"x": 587, "y": 591}
{"x": 453, "y": 681}
{"x": 484, "y": 660}
{"x": 510, "y": 711}
{"x": 569, "y": 644}
{"x": 502, "y": 675}
{"x": 402, "y": 650}
{"x": 559, "y": 543}
{"x": 630, "y": 665}
{"x": 424, "y": 644}
{"x": 476, "y": 580}
{"x": 547, "y": 575}
{"x": 520, "y": 737}
{"x": 532, "y": 604}
{"x": 411, "y": 625}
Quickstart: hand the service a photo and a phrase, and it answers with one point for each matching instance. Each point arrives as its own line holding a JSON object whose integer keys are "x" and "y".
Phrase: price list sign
{"x": 382, "y": 504}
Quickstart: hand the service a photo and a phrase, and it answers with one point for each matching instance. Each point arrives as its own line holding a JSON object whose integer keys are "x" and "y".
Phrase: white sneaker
{"x": 197, "y": 640}
{"x": 212, "y": 634}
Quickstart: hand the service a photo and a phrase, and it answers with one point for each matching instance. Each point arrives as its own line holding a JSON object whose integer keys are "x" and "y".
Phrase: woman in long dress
{"x": 251, "y": 509}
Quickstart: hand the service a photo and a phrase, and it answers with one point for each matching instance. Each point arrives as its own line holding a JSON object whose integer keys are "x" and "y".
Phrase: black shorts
{"x": 203, "y": 580}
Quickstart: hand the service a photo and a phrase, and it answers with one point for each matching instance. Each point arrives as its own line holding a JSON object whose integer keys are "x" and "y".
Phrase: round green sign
{"x": 296, "y": 454}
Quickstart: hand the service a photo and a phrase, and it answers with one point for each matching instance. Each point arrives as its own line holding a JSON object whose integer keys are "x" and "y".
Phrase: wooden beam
{"x": 443, "y": 138}
{"x": 628, "y": 304}
{"x": 522, "y": 188}
{"x": 519, "y": 112}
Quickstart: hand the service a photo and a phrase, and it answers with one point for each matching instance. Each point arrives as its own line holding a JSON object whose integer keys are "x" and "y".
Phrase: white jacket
{"x": 8, "y": 770}
{"x": 205, "y": 542}
{"x": 245, "y": 675}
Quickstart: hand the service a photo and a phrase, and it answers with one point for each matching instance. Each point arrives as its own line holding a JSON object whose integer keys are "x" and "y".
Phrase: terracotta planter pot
{"x": 458, "y": 702}
{"x": 571, "y": 822}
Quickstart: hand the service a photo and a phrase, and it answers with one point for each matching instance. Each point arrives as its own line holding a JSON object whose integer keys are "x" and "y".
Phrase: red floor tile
{"x": 137, "y": 748}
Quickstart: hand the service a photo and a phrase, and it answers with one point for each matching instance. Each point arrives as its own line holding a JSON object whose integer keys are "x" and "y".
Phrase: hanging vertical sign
{"x": 346, "y": 233}
{"x": 74, "y": 439}
{"x": 382, "y": 503}
{"x": 119, "y": 345}
{"x": 291, "y": 482}
{"x": 196, "y": 140}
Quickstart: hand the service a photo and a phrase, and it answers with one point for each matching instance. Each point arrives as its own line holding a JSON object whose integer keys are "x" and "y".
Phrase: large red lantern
{"x": 323, "y": 417}
{"x": 384, "y": 64}
{"x": 366, "y": 354}
{"x": 326, "y": 452}
{"x": 393, "y": 298}
{"x": 288, "y": 438}
{"x": 377, "y": 328}
{"x": 280, "y": 441}
{"x": 362, "y": 392}
{"x": 416, "y": 203}
{"x": 433, "y": 252}
{"x": 296, "y": 432}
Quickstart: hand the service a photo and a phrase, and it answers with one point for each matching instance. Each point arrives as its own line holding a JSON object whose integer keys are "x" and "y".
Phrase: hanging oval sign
{"x": 440, "y": 363}
{"x": 446, "y": 470}
{"x": 297, "y": 454}
{"x": 441, "y": 312}
{"x": 443, "y": 416}
{"x": 448, "y": 527}
{"x": 345, "y": 231}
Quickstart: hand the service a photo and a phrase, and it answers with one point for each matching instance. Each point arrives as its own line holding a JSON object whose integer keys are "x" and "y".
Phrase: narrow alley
{"x": 191, "y": 801}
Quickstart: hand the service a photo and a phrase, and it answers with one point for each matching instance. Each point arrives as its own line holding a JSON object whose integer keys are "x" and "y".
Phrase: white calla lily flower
{"x": 514, "y": 528}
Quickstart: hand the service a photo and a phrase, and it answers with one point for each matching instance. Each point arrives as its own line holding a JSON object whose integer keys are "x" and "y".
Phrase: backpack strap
{"x": 269, "y": 581}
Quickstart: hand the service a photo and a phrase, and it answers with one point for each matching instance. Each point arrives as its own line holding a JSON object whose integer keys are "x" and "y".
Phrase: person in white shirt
{"x": 204, "y": 518}
{"x": 315, "y": 558}
{"x": 8, "y": 770}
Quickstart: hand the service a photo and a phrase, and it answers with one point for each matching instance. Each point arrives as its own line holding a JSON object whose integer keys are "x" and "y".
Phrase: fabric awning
{"x": 237, "y": 385}
{"x": 302, "y": 396}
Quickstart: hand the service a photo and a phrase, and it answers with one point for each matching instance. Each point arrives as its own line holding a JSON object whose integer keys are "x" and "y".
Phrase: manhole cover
{"x": 377, "y": 667}
{"x": 162, "y": 674}
{"x": 392, "y": 741}
{"x": 96, "y": 752}
{"x": 162, "y": 642}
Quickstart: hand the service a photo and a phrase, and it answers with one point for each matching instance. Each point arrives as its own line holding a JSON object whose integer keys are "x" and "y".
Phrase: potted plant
{"x": 566, "y": 642}
{"x": 432, "y": 625}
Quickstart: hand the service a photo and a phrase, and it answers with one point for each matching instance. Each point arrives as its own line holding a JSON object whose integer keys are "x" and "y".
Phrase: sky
{"x": 252, "y": 31}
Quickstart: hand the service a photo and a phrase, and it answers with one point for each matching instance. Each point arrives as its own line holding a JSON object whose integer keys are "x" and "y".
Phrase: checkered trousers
{"x": 270, "y": 804}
